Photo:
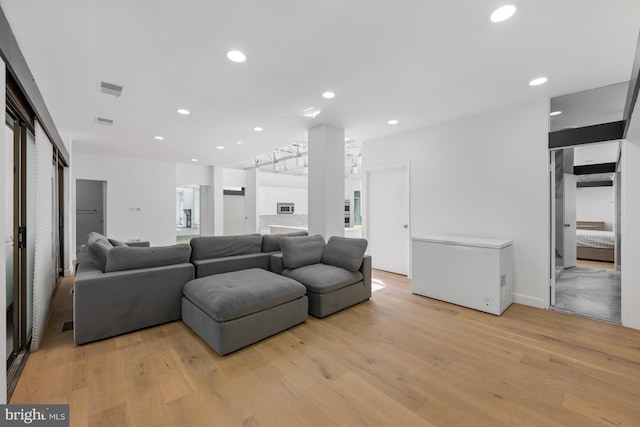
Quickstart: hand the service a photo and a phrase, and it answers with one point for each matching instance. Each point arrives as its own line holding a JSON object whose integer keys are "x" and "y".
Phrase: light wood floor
{"x": 595, "y": 264}
{"x": 398, "y": 359}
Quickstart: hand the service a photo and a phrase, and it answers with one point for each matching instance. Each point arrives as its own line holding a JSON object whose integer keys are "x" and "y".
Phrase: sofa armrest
{"x": 110, "y": 304}
{"x": 276, "y": 263}
{"x": 365, "y": 269}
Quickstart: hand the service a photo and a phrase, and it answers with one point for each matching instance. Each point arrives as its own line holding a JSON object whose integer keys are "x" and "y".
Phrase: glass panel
{"x": 357, "y": 209}
{"x": 31, "y": 227}
{"x": 590, "y": 107}
{"x": 8, "y": 231}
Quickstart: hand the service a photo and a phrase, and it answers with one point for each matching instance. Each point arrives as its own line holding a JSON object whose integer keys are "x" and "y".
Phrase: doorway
{"x": 234, "y": 215}
{"x": 585, "y": 222}
{"x": 388, "y": 219}
{"x": 187, "y": 213}
{"x": 90, "y": 209}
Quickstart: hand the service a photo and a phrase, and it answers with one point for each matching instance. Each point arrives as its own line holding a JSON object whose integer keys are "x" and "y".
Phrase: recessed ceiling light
{"x": 392, "y": 122}
{"x": 328, "y": 95}
{"x": 555, "y": 113}
{"x": 220, "y": 147}
{"x": 258, "y": 129}
{"x": 236, "y": 56}
{"x": 184, "y": 112}
{"x": 502, "y": 13}
{"x": 537, "y": 82}
{"x": 158, "y": 137}
{"x": 240, "y": 142}
{"x": 194, "y": 160}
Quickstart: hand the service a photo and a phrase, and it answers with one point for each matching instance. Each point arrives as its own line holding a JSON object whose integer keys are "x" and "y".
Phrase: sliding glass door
{"x": 20, "y": 233}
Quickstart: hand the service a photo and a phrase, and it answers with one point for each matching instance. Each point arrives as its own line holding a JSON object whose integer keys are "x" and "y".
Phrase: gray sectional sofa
{"x": 231, "y": 290}
{"x": 119, "y": 289}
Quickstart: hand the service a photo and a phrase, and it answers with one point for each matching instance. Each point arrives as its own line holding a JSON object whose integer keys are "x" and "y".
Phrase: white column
{"x": 218, "y": 200}
{"x": 251, "y": 201}
{"x": 326, "y": 181}
{"x": 211, "y": 204}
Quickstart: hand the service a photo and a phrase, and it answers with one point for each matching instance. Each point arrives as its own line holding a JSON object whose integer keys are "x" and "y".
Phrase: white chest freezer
{"x": 467, "y": 271}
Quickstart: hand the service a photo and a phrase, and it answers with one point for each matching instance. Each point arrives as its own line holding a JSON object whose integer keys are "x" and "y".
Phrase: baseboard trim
{"x": 527, "y": 300}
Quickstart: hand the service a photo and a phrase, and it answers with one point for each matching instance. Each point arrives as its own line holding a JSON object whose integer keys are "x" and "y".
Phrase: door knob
{"x": 567, "y": 225}
{"x": 405, "y": 226}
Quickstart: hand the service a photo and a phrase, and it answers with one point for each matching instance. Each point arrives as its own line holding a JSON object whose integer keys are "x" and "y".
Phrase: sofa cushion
{"x": 207, "y": 247}
{"x": 93, "y": 236}
{"x": 99, "y": 250}
{"x": 228, "y": 296}
{"x": 271, "y": 242}
{"x": 208, "y": 267}
{"x": 115, "y": 242}
{"x": 131, "y": 258}
{"x": 300, "y": 251}
{"x": 344, "y": 252}
{"x": 323, "y": 278}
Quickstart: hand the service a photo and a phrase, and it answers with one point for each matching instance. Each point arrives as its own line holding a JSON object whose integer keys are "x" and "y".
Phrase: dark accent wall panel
{"x": 587, "y": 134}
{"x": 595, "y": 184}
{"x": 594, "y": 168}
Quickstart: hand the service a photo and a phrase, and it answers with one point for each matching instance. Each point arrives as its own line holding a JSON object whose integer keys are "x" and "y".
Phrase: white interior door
{"x": 234, "y": 215}
{"x": 388, "y": 219}
{"x": 569, "y": 220}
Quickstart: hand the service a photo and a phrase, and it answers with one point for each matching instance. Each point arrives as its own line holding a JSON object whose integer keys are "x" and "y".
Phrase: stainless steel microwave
{"x": 285, "y": 208}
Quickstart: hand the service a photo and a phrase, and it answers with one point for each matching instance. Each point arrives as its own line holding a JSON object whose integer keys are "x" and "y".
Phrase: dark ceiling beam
{"x": 587, "y": 184}
{"x": 17, "y": 66}
{"x": 587, "y": 134}
{"x": 594, "y": 168}
{"x": 634, "y": 88}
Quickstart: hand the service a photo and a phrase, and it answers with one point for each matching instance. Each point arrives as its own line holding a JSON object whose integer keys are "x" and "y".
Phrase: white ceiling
{"x": 418, "y": 61}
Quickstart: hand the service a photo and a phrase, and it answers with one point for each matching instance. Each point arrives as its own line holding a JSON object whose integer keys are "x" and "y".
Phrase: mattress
{"x": 595, "y": 239}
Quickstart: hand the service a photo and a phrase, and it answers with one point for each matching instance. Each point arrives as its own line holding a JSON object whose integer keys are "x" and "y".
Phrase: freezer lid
{"x": 477, "y": 242}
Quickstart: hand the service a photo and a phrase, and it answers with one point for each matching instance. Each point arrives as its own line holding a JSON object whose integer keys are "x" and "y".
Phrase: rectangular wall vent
{"x": 111, "y": 89}
{"x": 103, "y": 121}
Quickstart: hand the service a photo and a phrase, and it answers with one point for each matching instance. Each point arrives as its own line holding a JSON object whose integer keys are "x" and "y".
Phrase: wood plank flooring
{"x": 595, "y": 264}
{"x": 398, "y": 359}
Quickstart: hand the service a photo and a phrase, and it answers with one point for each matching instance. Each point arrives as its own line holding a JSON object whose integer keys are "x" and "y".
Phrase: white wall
{"x": 132, "y": 184}
{"x": 482, "y": 176}
{"x": 595, "y": 204}
{"x": 192, "y": 174}
{"x": 630, "y": 274}
{"x": 269, "y": 179}
{"x": 234, "y": 178}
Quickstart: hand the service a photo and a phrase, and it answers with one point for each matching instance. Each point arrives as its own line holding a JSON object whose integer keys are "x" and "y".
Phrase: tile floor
{"x": 590, "y": 292}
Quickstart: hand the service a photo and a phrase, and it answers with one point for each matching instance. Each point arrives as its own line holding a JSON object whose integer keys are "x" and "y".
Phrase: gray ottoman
{"x": 233, "y": 310}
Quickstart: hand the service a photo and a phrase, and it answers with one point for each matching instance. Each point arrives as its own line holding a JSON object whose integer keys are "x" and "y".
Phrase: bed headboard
{"x": 590, "y": 225}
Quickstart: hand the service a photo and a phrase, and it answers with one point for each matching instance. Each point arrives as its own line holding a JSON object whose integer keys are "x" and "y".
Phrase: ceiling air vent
{"x": 103, "y": 121}
{"x": 111, "y": 89}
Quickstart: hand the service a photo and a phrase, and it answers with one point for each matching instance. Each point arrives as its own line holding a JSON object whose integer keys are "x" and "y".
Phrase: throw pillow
{"x": 99, "y": 250}
{"x": 131, "y": 258}
{"x": 115, "y": 242}
{"x": 271, "y": 242}
{"x": 344, "y": 252}
{"x": 301, "y": 251}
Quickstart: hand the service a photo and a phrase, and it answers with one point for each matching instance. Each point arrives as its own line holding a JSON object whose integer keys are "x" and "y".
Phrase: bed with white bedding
{"x": 593, "y": 242}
